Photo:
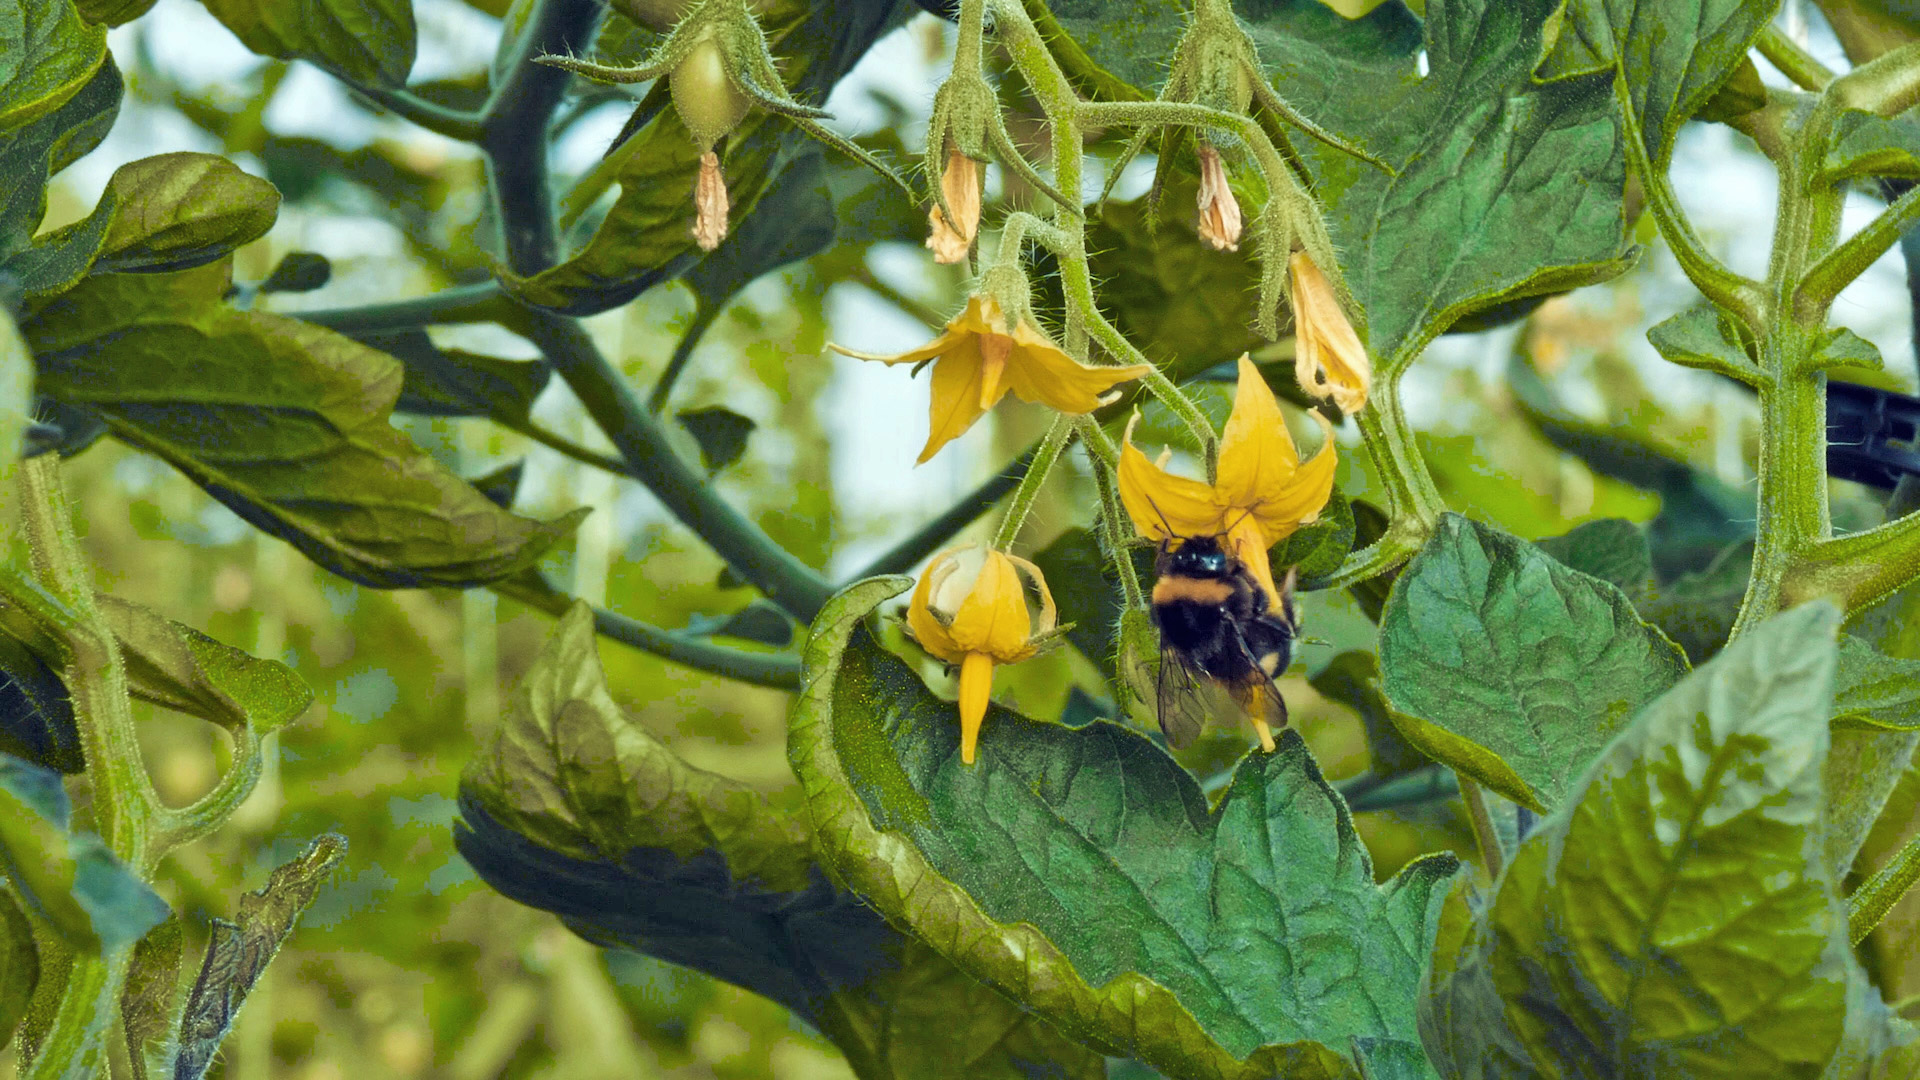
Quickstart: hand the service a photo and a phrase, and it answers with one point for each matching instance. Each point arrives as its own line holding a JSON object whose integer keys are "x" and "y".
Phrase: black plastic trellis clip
{"x": 1873, "y": 435}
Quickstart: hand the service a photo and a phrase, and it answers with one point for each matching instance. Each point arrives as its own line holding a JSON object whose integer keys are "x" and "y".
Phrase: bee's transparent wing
{"x": 1186, "y": 698}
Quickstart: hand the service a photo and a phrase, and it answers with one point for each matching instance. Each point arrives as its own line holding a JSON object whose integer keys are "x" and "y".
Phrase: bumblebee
{"x": 1218, "y": 631}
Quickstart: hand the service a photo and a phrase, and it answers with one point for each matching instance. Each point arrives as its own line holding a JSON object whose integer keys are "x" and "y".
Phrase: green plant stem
{"x": 1871, "y": 902}
{"x": 1793, "y": 61}
{"x": 433, "y": 116}
{"x": 1857, "y": 570}
{"x": 1414, "y": 505}
{"x": 564, "y": 446}
{"x": 642, "y": 442}
{"x": 778, "y": 670}
{"x": 484, "y": 302}
{"x": 703, "y": 316}
{"x": 78, "y": 1032}
{"x": 1849, "y": 260}
{"x": 1739, "y": 295}
{"x": 1481, "y": 818}
{"x": 1113, "y": 515}
{"x": 1887, "y": 85}
{"x": 514, "y": 125}
{"x": 207, "y": 813}
{"x": 1038, "y": 469}
{"x": 927, "y": 539}
{"x": 123, "y": 797}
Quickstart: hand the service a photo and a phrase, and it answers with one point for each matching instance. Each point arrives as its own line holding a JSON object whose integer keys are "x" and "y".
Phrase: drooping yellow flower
{"x": 979, "y": 358}
{"x": 1328, "y": 358}
{"x": 960, "y": 187}
{"x": 975, "y": 624}
{"x": 1262, "y": 493}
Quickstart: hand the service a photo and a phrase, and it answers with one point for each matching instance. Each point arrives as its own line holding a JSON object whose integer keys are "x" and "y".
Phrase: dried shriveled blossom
{"x": 1329, "y": 360}
{"x": 960, "y": 187}
{"x": 1220, "y": 223}
{"x": 980, "y": 357}
{"x": 1262, "y": 493}
{"x": 710, "y": 204}
{"x": 975, "y": 623}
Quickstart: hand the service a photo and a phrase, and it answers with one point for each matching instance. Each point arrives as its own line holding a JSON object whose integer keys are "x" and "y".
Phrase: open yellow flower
{"x": 979, "y": 358}
{"x": 1328, "y": 358}
{"x": 975, "y": 624}
{"x": 1262, "y": 493}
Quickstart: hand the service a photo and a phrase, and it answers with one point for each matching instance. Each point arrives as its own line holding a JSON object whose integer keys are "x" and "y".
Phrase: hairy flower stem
{"x": 1413, "y": 506}
{"x": 1101, "y": 455}
{"x": 1028, "y": 492}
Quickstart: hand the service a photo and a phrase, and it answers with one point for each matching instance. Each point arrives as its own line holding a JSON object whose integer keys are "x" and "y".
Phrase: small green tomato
{"x": 704, "y": 95}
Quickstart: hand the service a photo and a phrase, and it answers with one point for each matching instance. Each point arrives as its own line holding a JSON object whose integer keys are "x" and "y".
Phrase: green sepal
{"x": 1030, "y": 869}
{"x": 1516, "y": 659}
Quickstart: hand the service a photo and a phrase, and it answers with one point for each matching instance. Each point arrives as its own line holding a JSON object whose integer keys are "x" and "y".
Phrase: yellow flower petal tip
{"x": 1262, "y": 492}
{"x": 974, "y": 617}
{"x": 1329, "y": 360}
{"x": 978, "y": 359}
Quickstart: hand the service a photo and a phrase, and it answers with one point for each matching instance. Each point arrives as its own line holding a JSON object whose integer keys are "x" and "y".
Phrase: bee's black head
{"x": 1196, "y": 556}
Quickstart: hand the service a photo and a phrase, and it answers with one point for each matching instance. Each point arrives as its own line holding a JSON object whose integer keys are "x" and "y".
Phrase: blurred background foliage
{"x": 407, "y": 965}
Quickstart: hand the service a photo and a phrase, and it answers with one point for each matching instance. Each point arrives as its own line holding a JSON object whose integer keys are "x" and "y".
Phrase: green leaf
{"x": 114, "y": 12}
{"x": 240, "y": 950}
{"x": 721, "y": 433}
{"x": 646, "y": 236}
{"x": 183, "y": 210}
{"x": 1317, "y": 550}
{"x": 1353, "y": 680}
{"x": 452, "y": 382}
{"x": 58, "y": 260}
{"x": 572, "y": 807}
{"x": 1874, "y": 690}
{"x": 366, "y": 40}
{"x": 1081, "y": 872}
{"x": 19, "y": 964}
{"x": 1670, "y": 73}
{"x": 29, "y": 156}
{"x": 147, "y": 998}
{"x": 1840, "y": 347}
{"x": 298, "y": 272}
{"x": 283, "y": 421}
{"x": 1532, "y": 178}
{"x": 179, "y": 668}
{"x": 93, "y": 900}
{"x": 1702, "y": 336}
{"x": 1868, "y": 145}
{"x": 1670, "y": 919}
{"x": 1611, "y": 549}
{"x": 1697, "y": 610}
{"x": 36, "y": 715}
{"x": 47, "y": 53}
{"x": 1493, "y": 643}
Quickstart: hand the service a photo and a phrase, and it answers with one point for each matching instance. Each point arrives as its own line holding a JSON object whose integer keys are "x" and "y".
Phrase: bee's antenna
{"x": 1244, "y": 515}
{"x": 1168, "y": 525}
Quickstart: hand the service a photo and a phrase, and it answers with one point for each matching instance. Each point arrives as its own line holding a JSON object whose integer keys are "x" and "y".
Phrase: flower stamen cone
{"x": 710, "y": 204}
{"x": 979, "y": 358}
{"x": 1329, "y": 360}
{"x": 950, "y": 241}
{"x": 1220, "y": 223}
{"x": 976, "y": 622}
{"x": 1262, "y": 492}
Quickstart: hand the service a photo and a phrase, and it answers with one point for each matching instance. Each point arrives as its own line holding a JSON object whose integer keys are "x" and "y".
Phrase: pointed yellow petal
{"x": 1305, "y": 493}
{"x": 1248, "y": 542}
{"x": 927, "y": 628}
{"x": 1157, "y": 500}
{"x": 1329, "y": 360}
{"x": 976, "y": 685}
{"x": 993, "y": 618}
{"x": 980, "y": 316}
{"x": 994, "y": 351}
{"x": 1257, "y": 455}
{"x": 955, "y": 403}
{"x": 1040, "y": 372}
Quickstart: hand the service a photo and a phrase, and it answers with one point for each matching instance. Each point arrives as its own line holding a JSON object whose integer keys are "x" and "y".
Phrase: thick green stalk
{"x": 1871, "y": 902}
{"x": 1480, "y": 816}
{"x": 1414, "y": 505}
{"x": 1113, "y": 515}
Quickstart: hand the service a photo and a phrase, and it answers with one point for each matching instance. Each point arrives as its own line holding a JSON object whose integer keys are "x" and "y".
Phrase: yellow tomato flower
{"x": 1262, "y": 493}
{"x": 978, "y": 623}
{"x": 1328, "y": 358}
{"x": 980, "y": 357}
